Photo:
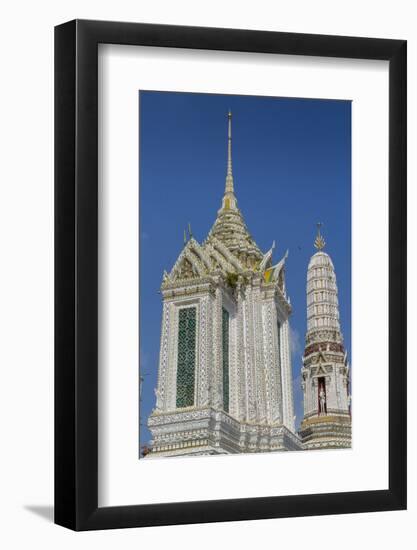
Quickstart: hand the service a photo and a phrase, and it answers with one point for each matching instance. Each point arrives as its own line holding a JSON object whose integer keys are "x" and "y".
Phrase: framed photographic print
{"x": 230, "y": 275}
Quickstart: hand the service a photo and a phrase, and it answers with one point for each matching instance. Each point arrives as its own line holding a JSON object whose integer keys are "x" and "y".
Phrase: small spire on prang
{"x": 229, "y": 178}
{"x": 319, "y": 242}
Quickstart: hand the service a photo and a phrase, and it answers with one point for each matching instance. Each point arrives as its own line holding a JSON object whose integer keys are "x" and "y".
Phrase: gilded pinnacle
{"x": 229, "y": 227}
{"x": 229, "y": 150}
{"x": 319, "y": 242}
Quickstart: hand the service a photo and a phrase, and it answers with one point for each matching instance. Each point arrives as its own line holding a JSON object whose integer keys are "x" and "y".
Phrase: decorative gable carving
{"x": 185, "y": 270}
{"x": 189, "y": 265}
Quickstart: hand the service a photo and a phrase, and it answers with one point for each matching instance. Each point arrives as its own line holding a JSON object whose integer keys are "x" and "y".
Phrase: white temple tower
{"x": 224, "y": 378}
{"x": 325, "y": 371}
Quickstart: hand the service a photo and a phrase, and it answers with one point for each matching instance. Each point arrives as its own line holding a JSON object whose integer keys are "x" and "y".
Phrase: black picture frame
{"x": 76, "y": 273}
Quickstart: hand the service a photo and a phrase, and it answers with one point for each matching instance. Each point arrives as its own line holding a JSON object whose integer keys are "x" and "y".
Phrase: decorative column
{"x": 161, "y": 399}
{"x": 286, "y": 377}
{"x": 241, "y": 355}
{"x": 204, "y": 353}
{"x": 257, "y": 328}
{"x": 217, "y": 370}
{"x": 272, "y": 362}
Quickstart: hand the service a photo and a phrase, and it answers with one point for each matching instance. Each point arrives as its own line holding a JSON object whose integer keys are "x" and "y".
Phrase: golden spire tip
{"x": 319, "y": 242}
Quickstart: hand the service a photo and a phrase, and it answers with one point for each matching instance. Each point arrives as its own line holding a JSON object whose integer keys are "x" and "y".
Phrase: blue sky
{"x": 292, "y": 169}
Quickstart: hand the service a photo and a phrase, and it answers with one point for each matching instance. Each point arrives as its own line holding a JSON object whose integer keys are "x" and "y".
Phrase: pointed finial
{"x": 229, "y": 147}
{"x": 185, "y": 237}
{"x": 319, "y": 243}
{"x": 229, "y": 201}
{"x": 190, "y": 233}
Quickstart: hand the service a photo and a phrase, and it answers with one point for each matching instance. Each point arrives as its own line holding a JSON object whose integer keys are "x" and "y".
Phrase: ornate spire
{"x": 319, "y": 243}
{"x": 229, "y": 174}
{"x": 229, "y": 201}
{"x": 229, "y": 226}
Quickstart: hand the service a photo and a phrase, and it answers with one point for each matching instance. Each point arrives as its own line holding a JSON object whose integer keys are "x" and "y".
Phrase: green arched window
{"x": 186, "y": 357}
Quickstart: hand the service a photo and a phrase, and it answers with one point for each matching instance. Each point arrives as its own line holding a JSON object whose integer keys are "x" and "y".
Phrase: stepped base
{"x": 209, "y": 431}
{"x": 326, "y": 432}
